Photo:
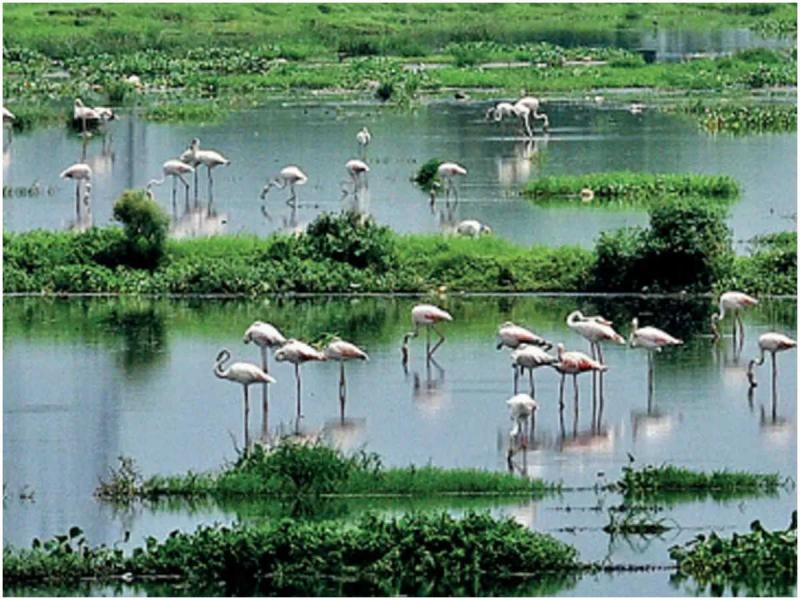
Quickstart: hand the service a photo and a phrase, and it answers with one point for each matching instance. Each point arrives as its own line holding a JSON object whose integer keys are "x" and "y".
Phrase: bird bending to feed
{"x": 652, "y": 340}
{"x": 530, "y": 357}
{"x": 773, "y": 343}
{"x": 85, "y": 114}
{"x": 357, "y": 170}
{"x": 244, "y": 373}
{"x": 79, "y": 172}
{"x": 472, "y": 228}
{"x": 290, "y": 175}
{"x": 523, "y": 412}
{"x": 533, "y": 105}
{"x": 426, "y": 315}
{"x": 363, "y": 137}
{"x": 446, "y": 171}
{"x": 512, "y": 335}
{"x": 297, "y": 353}
{"x": 574, "y": 363}
{"x": 265, "y": 336}
{"x": 176, "y": 169}
{"x": 209, "y": 158}
{"x": 731, "y": 302}
{"x": 342, "y": 351}
{"x": 499, "y": 111}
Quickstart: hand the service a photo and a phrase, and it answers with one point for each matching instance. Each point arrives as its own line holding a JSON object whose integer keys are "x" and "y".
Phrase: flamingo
{"x": 290, "y": 175}
{"x": 357, "y": 170}
{"x": 773, "y": 343}
{"x": 265, "y": 336}
{"x": 652, "y": 340}
{"x": 363, "y": 137}
{"x": 530, "y": 357}
{"x": 446, "y": 171}
{"x": 342, "y": 351}
{"x": 176, "y": 169}
{"x": 297, "y": 353}
{"x": 245, "y": 374}
{"x": 512, "y": 335}
{"x": 209, "y": 158}
{"x": 731, "y": 302}
{"x": 523, "y": 412}
{"x": 595, "y": 330}
{"x": 533, "y": 105}
{"x": 574, "y": 363}
{"x": 79, "y": 172}
{"x": 472, "y": 228}
{"x": 499, "y": 111}
{"x": 427, "y": 315}
{"x": 84, "y": 114}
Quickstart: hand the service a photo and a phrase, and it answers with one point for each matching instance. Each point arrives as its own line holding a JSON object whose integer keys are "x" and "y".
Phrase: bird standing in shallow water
{"x": 297, "y": 353}
{"x": 734, "y": 303}
{"x": 363, "y": 137}
{"x": 652, "y": 340}
{"x": 357, "y": 170}
{"x": 211, "y": 159}
{"x": 773, "y": 343}
{"x": 245, "y": 374}
{"x": 290, "y": 175}
{"x": 574, "y": 363}
{"x": 80, "y": 173}
{"x": 512, "y": 335}
{"x": 265, "y": 336}
{"x": 176, "y": 169}
{"x": 446, "y": 172}
{"x": 425, "y": 315}
{"x": 530, "y": 357}
{"x": 523, "y": 412}
{"x": 342, "y": 351}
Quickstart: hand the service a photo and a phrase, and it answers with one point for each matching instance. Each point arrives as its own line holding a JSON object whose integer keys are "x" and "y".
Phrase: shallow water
{"x": 321, "y": 138}
{"x": 87, "y": 381}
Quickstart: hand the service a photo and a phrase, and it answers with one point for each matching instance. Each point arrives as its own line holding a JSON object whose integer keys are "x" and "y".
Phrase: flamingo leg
{"x": 774, "y": 371}
{"x": 246, "y": 419}
{"x": 174, "y": 190}
{"x": 265, "y": 396}
{"x": 439, "y": 343}
{"x": 78, "y": 198}
{"x": 428, "y": 341}
{"x": 297, "y": 377}
{"x": 533, "y": 426}
{"x": 575, "y": 387}
{"x": 600, "y": 376}
{"x": 210, "y": 184}
{"x": 195, "y": 183}
{"x": 516, "y": 377}
{"x": 530, "y": 378}
{"x": 342, "y": 390}
{"x": 561, "y": 393}
{"x": 292, "y": 200}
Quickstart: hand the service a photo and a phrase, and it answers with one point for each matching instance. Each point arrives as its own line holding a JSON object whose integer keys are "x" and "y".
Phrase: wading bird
{"x": 523, "y": 413}
{"x": 85, "y": 115}
{"x": 176, "y": 169}
{"x": 472, "y": 228}
{"x": 530, "y": 357}
{"x": 499, "y": 111}
{"x": 426, "y": 315}
{"x": 595, "y": 330}
{"x": 574, "y": 363}
{"x": 244, "y": 373}
{"x": 342, "y": 351}
{"x": 512, "y": 335}
{"x": 297, "y": 353}
{"x": 652, "y": 340}
{"x": 731, "y": 302}
{"x": 266, "y": 337}
{"x": 79, "y": 172}
{"x": 446, "y": 171}
{"x": 357, "y": 170}
{"x": 533, "y": 105}
{"x": 209, "y": 158}
{"x": 290, "y": 175}
{"x": 772, "y": 343}
{"x": 363, "y": 137}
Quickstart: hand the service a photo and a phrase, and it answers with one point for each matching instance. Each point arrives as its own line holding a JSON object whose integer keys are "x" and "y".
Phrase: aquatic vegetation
{"x": 758, "y": 563}
{"x": 653, "y": 480}
{"x": 742, "y": 118}
{"x": 543, "y": 54}
{"x": 630, "y": 186}
{"x": 190, "y": 112}
{"x": 634, "y": 519}
{"x": 414, "y": 554}
{"x": 770, "y": 267}
{"x": 145, "y": 227}
{"x": 122, "y": 483}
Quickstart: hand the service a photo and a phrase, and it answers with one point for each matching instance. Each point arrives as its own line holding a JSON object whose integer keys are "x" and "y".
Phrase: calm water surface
{"x": 90, "y": 380}
{"x": 321, "y": 138}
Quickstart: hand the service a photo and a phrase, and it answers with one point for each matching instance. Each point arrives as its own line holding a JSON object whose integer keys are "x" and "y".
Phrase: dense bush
{"x": 771, "y": 266}
{"x": 351, "y": 238}
{"x": 145, "y": 225}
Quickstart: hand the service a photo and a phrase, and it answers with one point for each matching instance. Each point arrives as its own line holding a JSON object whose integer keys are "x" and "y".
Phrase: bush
{"x": 145, "y": 226}
{"x": 351, "y": 238}
{"x": 427, "y": 173}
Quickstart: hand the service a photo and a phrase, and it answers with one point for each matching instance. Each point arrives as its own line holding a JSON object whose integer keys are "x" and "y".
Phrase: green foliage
{"x": 351, "y": 238}
{"x": 432, "y": 554}
{"x": 145, "y": 225}
{"x": 742, "y": 118}
{"x": 122, "y": 483}
{"x": 758, "y": 563}
{"x": 771, "y": 267}
{"x": 426, "y": 175}
{"x": 630, "y": 186}
{"x": 653, "y": 480}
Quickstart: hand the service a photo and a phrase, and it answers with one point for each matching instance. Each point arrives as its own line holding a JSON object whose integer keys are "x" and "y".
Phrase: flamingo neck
{"x": 574, "y": 317}
{"x": 219, "y": 369}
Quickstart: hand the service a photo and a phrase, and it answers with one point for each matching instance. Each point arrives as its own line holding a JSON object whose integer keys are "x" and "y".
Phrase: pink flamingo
{"x": 342, "y": 351}
{"x": 79, "y": 172}
{"x": 211, "y": 159}
{"x": 652, "y": 340}
{"x": 291, "y": 176}
{"x": 731, "y": 302}
{"x": 533, "y": 105}
{"x": 530, "y": 357}
{"x": 176, "y": 169}
{"x": 357, "y": 170}
{"x": 773, "y": 343}
{"x": 427, "y": 315}
{"x": 512, "y": 335}
{"x": 523, "y": 412}
{"x": 446, "y": 171}
{"x": 574, "y": 363}
{"x": 265, "y": 336}
{"x": 297, "y": 353}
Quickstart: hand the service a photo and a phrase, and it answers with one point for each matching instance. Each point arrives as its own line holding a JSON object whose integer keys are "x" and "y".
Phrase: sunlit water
{"x": 321, "y": 138}
{"x": 87, "y": 381}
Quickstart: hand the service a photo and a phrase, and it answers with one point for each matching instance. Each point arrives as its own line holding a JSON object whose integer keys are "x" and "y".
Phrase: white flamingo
{"x": 512, "y": 336}
{"x": 734, "y": 303}
{"x": 290, "y": 175}
{"x": 176, "y": 169}
{"x": 773, "y": 343}
{"x": 446, "y": 172}
{"x": 209, "y": 158}
{"x": 652, "y": 340}
{"x": 530, "y": 357}
{"x": 357, "y": 170}
{"x": 428, "y": 316}
{"x": 85, "y": 114}
{"x": 533, "y": 105}
{"x": 574, "y": 363}
{"x": 472, "y": 228}
{"x": 342, "y": 351}
{"x": 523, "y": 412}
{"x": 363, "y": 137}
{"x": 266, "y": 337}
{"x": 80, "y": 173}
{"x": 245, "y": 374}
{"x": 297, "y": 353}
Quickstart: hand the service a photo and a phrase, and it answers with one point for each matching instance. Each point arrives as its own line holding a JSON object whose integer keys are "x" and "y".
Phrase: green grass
{"x": 632, "y": 187}
{"x": 758, "y": 563}
{"x": 742, "y": 117}
{"x": 654, "y": 480}
{"x": 432, "y": 554}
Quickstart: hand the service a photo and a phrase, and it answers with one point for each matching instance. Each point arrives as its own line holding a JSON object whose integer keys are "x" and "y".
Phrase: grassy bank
{"x": 655, "y": 480}
{"x": 758, "y": 563}
{"x": 344, "y": 253}
{"x": 415, "y": 554}
{"x": 295, "y": 470}
{"x": 631, "y": 187}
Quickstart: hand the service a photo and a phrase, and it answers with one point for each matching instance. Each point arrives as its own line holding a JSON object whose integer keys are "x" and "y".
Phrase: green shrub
{"x": 426, "y": 175}
{"x": 145, "y": 225}
{"x": 351, "y": 238}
